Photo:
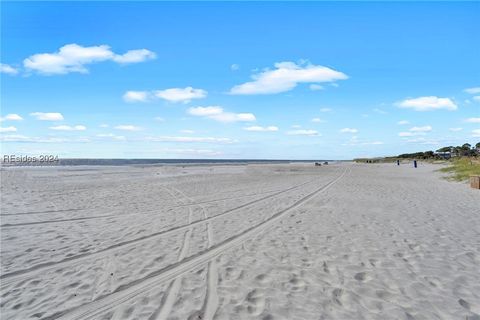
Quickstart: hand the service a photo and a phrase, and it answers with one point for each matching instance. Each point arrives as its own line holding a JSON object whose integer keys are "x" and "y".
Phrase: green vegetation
{"x": 463, "y": 161}
{"x": 462, "y": 168}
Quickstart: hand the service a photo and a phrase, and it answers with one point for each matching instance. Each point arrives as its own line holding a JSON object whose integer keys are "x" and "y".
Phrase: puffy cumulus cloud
{"x": 128, "y": 127}
{"x": 429, "y": 103}
{"x": 476, "y": 133}
{"x": 415, "y": 131}
{"x": 234, "y": 67}
{"x": 474, "y": 90}
{"x": 285, "y": 77}
{"x": 218, "y": 114}
{"x": 261, "y": 129}
{"x": 69, "y": 128}
{"x": 8, "y": 69}
{"x": 318, "y": 120}
{"x": 349, "y": 130}
{"x": 303, "y": 132}
{"x": 134, "y": 56}
{"x": 8, "y": 129}
{"x": 403, "y": 122}
{"x": 135, "y": 96}
{"x": 180, "y": 94}
{"x": 47, "y": 116}
{"x": 473, "y": 120}
{"x": 74, "y": 58}
{"x": 11, "y": 117}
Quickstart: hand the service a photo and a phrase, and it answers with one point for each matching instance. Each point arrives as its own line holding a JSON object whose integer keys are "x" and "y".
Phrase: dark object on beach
{"x": 325, "y": 163}
{"x": 398, "y": 162}
{"x": 475, "y": 182}
{"x": 317, "y": 164}
{"x": 414, "y": 163}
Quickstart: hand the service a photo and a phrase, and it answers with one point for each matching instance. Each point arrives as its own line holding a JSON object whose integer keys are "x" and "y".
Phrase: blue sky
{"x": 313, "y": 80}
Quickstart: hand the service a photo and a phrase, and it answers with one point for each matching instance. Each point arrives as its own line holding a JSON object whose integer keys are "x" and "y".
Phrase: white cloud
{"x": 111, "y": 136}
{"x": 134, "y": 56}
{"x": 261, "y": 129}
{"x": 187, "y": 131}
{"x": 189, "y": 139}
{"x": 135, "y": 96}
{"x": 325, "y": 110}
{"x": 427, "y": 104}
{"x": 403, "y": 122}
{"x": 349, "y": 130}
{"x": 473, "y": 120}
{"x": 8, "y": 129}
{"x": 285, "y": 77}
{"x": 455, "y": 129}
{"x": 21, "y": 138}
{"x": 104, "y": 125}
{"x": 423, "y": 141}
{"x": 47, "y": 116}
{"x": 159, "y": 119}
{"x": 472, "y": 90}
{"x": 11, "y": 117}
{"x": 315, "y": 87}
{"x": 128, "y": 127}
{"x": 303, "y": 132}
{"x": 5, "y": 68}
{"x": 180, "y": 94}
{"x": 217, "y": 113}
{"x": 476, "y": 133}
{"x": 69, "y": 128}
{"x": 205, "y": 111}
{"x": 416, "y": 131}
{"x": 317, "y": 120}
{"x": 234, "y": 67}
{"x": 380, "y": 111}
{"x": 476, "y": 98}
{"x": 421, "y": 129}
{"x": 74, "y": 58}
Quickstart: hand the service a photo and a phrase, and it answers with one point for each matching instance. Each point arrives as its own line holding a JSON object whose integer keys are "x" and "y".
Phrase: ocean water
{"x": 123, "y": 162}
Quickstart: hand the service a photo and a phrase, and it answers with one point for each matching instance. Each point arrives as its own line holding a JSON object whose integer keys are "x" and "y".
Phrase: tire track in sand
{"x": 128, "y": 292}
{"x": 8, "y": 278}
{"x": 170, "y": 296}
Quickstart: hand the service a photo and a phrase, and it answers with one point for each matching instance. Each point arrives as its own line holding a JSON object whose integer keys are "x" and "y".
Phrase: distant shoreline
{"x": 126, "y": 162}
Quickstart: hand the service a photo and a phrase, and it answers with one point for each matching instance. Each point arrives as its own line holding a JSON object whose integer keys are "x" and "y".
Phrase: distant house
{"x": 444, "y": 155}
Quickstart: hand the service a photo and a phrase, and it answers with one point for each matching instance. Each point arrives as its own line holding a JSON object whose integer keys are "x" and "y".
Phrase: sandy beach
{"x": 258, "y": 241}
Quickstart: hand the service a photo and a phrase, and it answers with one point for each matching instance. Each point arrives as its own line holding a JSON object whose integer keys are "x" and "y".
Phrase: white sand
{"x": 343, "y": 241}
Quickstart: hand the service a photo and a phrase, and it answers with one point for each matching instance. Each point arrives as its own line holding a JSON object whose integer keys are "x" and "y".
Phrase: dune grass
{"x": 461, "y": 169}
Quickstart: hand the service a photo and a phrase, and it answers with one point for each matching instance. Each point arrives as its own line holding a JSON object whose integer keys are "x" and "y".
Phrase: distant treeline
{"x": 465, "y": 150}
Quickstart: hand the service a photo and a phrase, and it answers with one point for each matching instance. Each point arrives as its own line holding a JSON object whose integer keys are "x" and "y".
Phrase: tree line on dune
{"x": 465, "y": 150}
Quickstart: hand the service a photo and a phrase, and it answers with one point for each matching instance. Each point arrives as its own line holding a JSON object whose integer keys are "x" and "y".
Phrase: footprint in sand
{"x": 255, "y": 302}
{"x": 361, "y": 276}
{"x": 262, "y": 278}
{"x": 295, "y": 284}
{"x": 337, "y": 294}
